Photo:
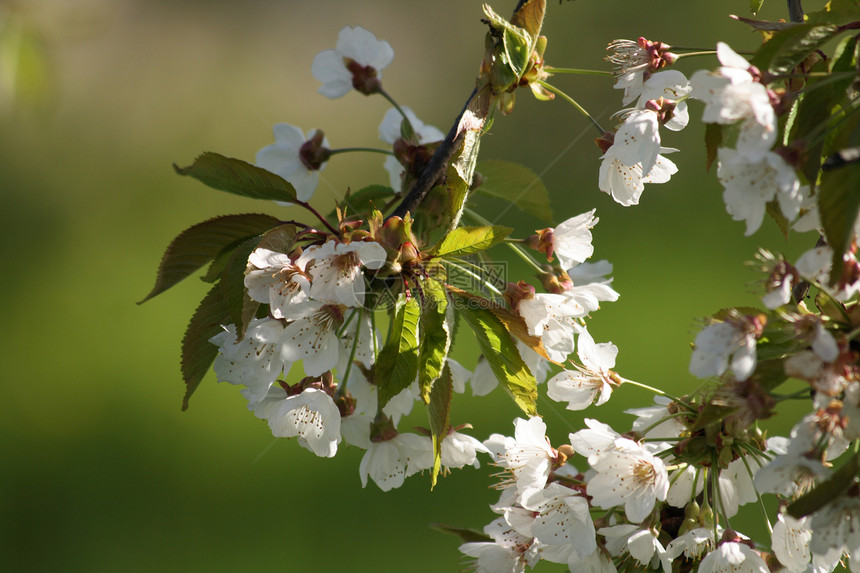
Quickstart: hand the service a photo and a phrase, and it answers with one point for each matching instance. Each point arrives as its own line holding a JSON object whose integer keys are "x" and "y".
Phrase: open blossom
{"x": 630, "y": 475}
{"x": 752, "y": 181}
{"x": 356, "y": 62}
{"x": 625, "y": 182}
{"x": 335, "y": 270}
{"x": 732, "y": 94}
{"x": 527, "y": 456}
{"x": 635, "y": 61}
{"x": 641, "y": 544}
{"x": 671, "y": 85}
{"x": 571, "y": 240}
{"x": 296, "y": 157}
{"x": 312, "y": 337}
{"x": 389, "y": 132}
{"x": 590, "y": 285}
{"x": 255, "y": 361}
{"x": 509, "y": 552}
{"x": 390, "y": 462}
{"x": 637, "y": 141}
{"x": 720, "y": 342}
{"x": 563, "y": 523}
{"x": 550, "y": 316}
{"x": 312, "y": 417}
{"x": 733, "y": 557}
{"x": 591, "y": 380}
{"x": 790, "y": 542}
{"x": 460, "y": 450}
{"x": 277, "y": 281}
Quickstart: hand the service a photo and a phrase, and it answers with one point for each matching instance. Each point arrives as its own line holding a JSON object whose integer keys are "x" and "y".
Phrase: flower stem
{"x": 398, "y": 108}
{"x": 513, "y": 246}
{"x": 758, "y": 496}
{"x": 367, "y": 149}
{"x": 341, "y": 388}
{"x": 318, "y": 216}
{"x": 574, "y": 103}
{"x": 576, "y": 71}
{"x": 658, "y": 392}
{"x": 698, "y": 53}
{"x": 489, "y": 286}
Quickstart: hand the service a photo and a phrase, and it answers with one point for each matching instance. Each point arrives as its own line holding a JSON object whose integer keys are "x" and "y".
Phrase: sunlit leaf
{"x": 238, "y": 177}
{"x": 434, "y": 335}
{"x": 197, "y": 352}
{"x": 397, "y": 365}
{"x": 529, "y": 16}
{"x": 439, "y": 409}
{"x": 466, "y": 240}
{"x": 202, "y": 243}
{"x": 838, "y": 205}
{"x": 242, "y": 307}
{"x": 501, "y": 353}
{"x": 515, "y": 184}
{"x": 787, "y": 48}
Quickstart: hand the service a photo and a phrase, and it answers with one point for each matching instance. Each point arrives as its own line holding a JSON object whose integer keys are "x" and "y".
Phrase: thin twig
{"x": 435, "y": 168}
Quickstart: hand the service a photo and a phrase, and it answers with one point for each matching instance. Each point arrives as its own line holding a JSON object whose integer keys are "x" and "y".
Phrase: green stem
{"x": 660, "y": 393}
{"x": 758, "y": 496}
{"x": 473, "y": 275}
{"x": 574, "y": 103}
{"x": 718, "y": 495}
{"x": 576, "y": 71}
{"x": 367, "y": 149}
{"x": 697, "y": 53}
{"x": 341, "y": 388}
{"x": 516, "y": 248}
{"x": 398, "y": 108}
{"x": 663, "y": 419}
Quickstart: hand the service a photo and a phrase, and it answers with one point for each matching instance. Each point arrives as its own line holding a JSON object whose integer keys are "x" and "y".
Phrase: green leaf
{"x": 827, "y": 491}
{"x": 515, "y": 184}
{"x": 238, "y": 177}
{"x": 462, "y": 170}
{"x": 518, "y": 45}
{"x": 775, "y": 211}
{"x": 440, "y": 416}
{"x": 713, "y": 140}
{"x": 397, "y": 365}
{"x": 711, "y": 414}
{"x": 242, "y": 308}
{"x": 813, "y": 109}
{"x": 529, "y": 16}
{"x": 466, "y": 240}
{"x": 755, "y": 6}
{"x": 197, "y": 352}
{"x": 787, "y": 48}
{"x": 501, "y": 353}
{"x": 435, "y": 337}
{"x": 838, "y": 205}
{"x": 199, "y": 244}
{"x": 467, "y": 535}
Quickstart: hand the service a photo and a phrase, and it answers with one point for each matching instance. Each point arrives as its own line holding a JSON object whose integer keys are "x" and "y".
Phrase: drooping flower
{"x": 509, "y": 552}
{"x": 790, "y": 542}
{"x": 625, "y": 183}
{"x": 571, "y": 240}
{"x": 296, "y": 157}
{"x": 389, "y": 132}
{"x": 390, "y": 462}
{"x": 335, "y": 270}
{"x": 752, "y": 181}
{"x": 277, "y": 281}
{"x": 255, "y": 361}
{"x": 670, "y": 85}
{"x": 550, "y": 316}
{"x": 635, "y": 61}
{"x": 717, "y": 343}
{"x": 356, "y": 62}
{"x": 731, "y": 557}
{"x": 562, "y": 524}
{"x": 312, "y": 337}
{"x": 641, "y": 544}
{"x": 590, "y": 285}
{"x": 459, "y": 450}
{"x": 312, "y": 417}
{"x": 527, "y": 456}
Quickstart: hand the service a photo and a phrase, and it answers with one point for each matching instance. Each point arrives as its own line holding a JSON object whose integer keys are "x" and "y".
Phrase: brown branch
{"x": 795, "y": 11}
{"x": 435, "y": 169}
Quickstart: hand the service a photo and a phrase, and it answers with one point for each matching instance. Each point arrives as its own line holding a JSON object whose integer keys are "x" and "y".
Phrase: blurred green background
{"x": 101, "y": 470}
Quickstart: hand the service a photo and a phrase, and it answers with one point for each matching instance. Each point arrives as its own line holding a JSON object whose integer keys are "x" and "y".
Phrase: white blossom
{"x": 625, "y": 183}
{"x": 752, "y": 181}
{"x": 718, "y": 344}
{"x": 509, "y": 552}
{"x": 335, "y": 270}
{"x": 277, "y": 281}
{"x": 389, "y": 132}
{"x": 641, "y": 544}
{"x": 590, "y": 285}
{"x": 733, "y": 557}
{"x": 790, "y": 542}
{"x": 671, "y": 85}
{"x": 255, "y": 361}
{"x": 390, "y": 462}
{"x": 312, "y": 337}
{"x": 284, "y": 158}
{"x": 549, "y": 316}
{"x": 571, "y": 240}
{"x": 527, "y": 456}
{"x": 590, "y": 382}
{"x": 692, "y": 544}
{"x": 355, "y": 47}
{"x": 312, "y": 417}
{"x": 459, "y": 450}
{"x": 563, "y": 519}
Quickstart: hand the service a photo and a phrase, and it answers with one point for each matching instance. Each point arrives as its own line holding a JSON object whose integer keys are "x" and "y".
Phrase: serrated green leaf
{"x": 826, "y": 491}
{"x": 238, "y": 177}
{"x": 467, "y": 535}
{"x": 518, "y": 45}
{"x": 199, "y": 244}
{"x": 502, "y": 354}
{"x": 713, "y": 140}
{"x": 439, "y": 409}
{"x": 813, "y": 109}
{"x": 241, "y": 307}
{"x": 755, "y": 6}
{"x": 515, "y": 184}
{"x": 466, "y": 240}
{"x": 435, "y": 337}
{"x": 397, "y": 365}
{"x": 197, "y": 352}
{"x": 773, "y": 209}
{"x": 838, "y": 205}
{"x": 787, "y": 48}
